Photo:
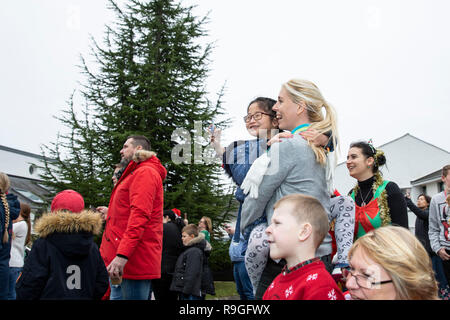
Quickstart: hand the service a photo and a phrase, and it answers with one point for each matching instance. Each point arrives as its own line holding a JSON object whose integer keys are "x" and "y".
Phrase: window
{"x": 29, "y": 195}
{"x": 441, "y": 186}
{"x": 32, "y": 168}
{"x": 424, "y": 189}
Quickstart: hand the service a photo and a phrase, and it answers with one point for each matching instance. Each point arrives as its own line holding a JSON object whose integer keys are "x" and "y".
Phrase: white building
{"x": 23, "y": 172}
{"x": 415, "y": 165}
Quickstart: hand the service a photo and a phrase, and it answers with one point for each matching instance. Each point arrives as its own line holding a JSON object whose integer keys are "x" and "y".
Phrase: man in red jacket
{"x": 132, "y": 241}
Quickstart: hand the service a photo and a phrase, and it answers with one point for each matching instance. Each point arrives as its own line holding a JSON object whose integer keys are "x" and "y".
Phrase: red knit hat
{"x": 177, "y": 212}
{"x": 68, "y": 200}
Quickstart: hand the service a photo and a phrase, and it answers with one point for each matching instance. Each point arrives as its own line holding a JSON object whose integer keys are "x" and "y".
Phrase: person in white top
{"x": 21, "y": 237}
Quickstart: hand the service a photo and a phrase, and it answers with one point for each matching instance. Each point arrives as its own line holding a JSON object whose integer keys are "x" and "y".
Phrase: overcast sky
{"x": 384, "y": 65}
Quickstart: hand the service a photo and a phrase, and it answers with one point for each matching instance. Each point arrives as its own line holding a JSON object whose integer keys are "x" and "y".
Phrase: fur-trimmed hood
{"x": 142, "y": 155}
{"x": 71, "y": 233}
{"x": 66, "y": 222}
{"x": 200, "y": 242}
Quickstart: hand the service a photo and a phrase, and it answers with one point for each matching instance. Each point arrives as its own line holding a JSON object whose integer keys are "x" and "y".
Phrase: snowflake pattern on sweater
{"x": 310, "y": 282}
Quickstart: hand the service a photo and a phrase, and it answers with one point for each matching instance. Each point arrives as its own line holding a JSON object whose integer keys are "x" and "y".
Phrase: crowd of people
{"x": 296, "y": 237}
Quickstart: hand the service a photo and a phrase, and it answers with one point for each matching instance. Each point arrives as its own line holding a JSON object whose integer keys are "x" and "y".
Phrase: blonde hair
{"x": 4, "y": 187}
{"x": 191, "y": 229}
{"x": 305, "y": 91}
{"x": 308, "y": 209}
{"x": 208, "y": 224}
{"x": 4, "y": 182}
{"x": 404, "y": 258}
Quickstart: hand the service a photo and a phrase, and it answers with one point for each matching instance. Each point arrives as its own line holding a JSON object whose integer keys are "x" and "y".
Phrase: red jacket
{"x": 134, "y": 224}
{"x": 310, "y": 282}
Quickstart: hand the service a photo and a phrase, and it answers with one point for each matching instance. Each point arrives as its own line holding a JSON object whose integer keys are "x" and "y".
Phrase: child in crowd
{"x": 298, "y": 227}
{"x": 21, "y": 237}
{"x": 192, "y": 278}
{"x": 205, "y": 226}
{"x": 9, "y": 211}
{"x": 65, "y": 263}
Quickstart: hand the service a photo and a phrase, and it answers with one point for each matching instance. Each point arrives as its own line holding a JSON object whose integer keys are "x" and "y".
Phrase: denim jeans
{"x": 135, "y": 289}
{"x": 243, "y": 284}
{"x": 4, "y": 278}
{"x": 116, "y": 291}
{"x": 14, "y": 273}
{"x": 439, "y": 271}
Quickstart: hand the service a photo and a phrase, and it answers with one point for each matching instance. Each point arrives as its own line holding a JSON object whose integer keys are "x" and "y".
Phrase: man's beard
{"x": 124, "y": 162}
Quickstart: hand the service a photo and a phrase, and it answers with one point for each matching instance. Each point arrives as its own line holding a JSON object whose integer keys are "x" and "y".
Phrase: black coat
{"x": 172, "y": 247}
{"x": 421, "y": 226}
{"x": 192, "y": 274}
{"x": 14, "y": 211}
{"x": 64, "y": 263}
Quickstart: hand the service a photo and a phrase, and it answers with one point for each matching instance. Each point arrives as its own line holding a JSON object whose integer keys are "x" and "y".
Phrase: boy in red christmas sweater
{"x": 298, "y": 226}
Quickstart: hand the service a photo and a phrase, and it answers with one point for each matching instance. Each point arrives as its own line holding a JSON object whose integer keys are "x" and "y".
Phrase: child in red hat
{"x": 65, "y": 263}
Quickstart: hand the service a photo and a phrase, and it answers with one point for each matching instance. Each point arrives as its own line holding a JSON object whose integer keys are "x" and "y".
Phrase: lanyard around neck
{"x": 300, "y": 128}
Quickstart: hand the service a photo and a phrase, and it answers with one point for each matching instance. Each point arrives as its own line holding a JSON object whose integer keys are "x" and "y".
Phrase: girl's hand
{"x": 312, "y": 135}
{"x": 214, "y": 136}
{"x": 277, "y": 138}
{"x": 320, "y": 140}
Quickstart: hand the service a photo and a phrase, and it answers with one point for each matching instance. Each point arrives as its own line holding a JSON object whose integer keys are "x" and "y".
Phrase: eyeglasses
{"x": 362, "y": 280}
{"x": 256, "y": 116}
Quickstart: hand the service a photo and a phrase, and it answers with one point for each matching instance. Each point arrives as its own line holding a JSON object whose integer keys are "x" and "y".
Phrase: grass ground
{"x": 224, "y": 290}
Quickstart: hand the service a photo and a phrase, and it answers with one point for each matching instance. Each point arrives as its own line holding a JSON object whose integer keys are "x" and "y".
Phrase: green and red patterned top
{"x": 368, "y": 216}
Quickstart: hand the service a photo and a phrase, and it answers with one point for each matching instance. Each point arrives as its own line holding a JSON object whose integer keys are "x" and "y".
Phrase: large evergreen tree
{"x": 148, "y": 78}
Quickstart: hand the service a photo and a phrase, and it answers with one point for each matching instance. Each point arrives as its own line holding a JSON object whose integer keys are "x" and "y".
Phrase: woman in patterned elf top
{"x": 378, "y": 202}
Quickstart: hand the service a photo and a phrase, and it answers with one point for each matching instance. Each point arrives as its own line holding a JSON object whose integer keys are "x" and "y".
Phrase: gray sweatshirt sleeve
{"x": 434, "y": 225}
{"x": 279, "y": 167}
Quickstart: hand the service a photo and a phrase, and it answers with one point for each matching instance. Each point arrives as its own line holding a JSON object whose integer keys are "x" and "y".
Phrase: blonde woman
{"x": 294, "y": 166}
{"x": 205, "y": 226}
{"x": 389, "y": 263}
{"x": 9, "y": 211}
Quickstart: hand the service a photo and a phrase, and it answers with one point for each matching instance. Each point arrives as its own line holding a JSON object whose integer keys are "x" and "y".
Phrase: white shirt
{"x": 20, "y": 230}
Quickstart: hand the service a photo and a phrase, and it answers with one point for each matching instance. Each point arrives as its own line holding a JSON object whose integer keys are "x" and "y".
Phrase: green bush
{"x": 220, "y": 258}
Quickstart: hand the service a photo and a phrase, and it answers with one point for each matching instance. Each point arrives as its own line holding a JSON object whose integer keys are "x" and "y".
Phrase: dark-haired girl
{"x": 378, "y": 202}
{"x": 21, "y": 237}
{"x": 172, "y": 248}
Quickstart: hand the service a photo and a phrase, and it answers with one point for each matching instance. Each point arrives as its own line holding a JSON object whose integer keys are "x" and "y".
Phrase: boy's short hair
{"x": 308, "y": 209}
{"x": 445, "y": 170}
{"x": 191, "y": 229}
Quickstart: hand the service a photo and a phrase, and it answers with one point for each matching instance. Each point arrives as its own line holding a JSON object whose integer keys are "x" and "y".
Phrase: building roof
{"x": 434, "y": 176}
{"x": 30, "y": 191}
{"x": 403, "y": 136}
{"x": 408, "y": 134}
{"x": 25, "y": 153}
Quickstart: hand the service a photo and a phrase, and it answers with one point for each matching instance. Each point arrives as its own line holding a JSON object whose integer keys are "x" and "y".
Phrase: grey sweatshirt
{"x": 439, "y": 220}
{"x": 294, "y": 170}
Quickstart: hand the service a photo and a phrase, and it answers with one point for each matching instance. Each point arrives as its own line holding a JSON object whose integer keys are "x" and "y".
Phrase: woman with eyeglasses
{"x": 293, "y": 166}
{"x": 378, "y": 202}
{"x": 390, "y": 263}
{"x": 238, "y": 158}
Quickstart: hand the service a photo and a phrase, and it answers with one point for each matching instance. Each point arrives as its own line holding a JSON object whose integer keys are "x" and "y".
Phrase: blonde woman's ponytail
{"x": 306, "y": 91}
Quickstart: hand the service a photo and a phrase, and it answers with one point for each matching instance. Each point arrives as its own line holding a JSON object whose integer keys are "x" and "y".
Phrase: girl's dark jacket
{"x": 192, "y": 274}
{"x": 421, "y": 227}
{"x": 64, "y": 263}
{"x": 14, "y": 211}
{"x": 172, "y": 247}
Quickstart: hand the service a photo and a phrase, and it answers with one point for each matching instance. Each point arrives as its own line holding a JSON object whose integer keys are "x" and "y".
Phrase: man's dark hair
{"x": 140, "y": 141}
{"x": 445, "y": 170}
{"x": 427, "y": 197}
